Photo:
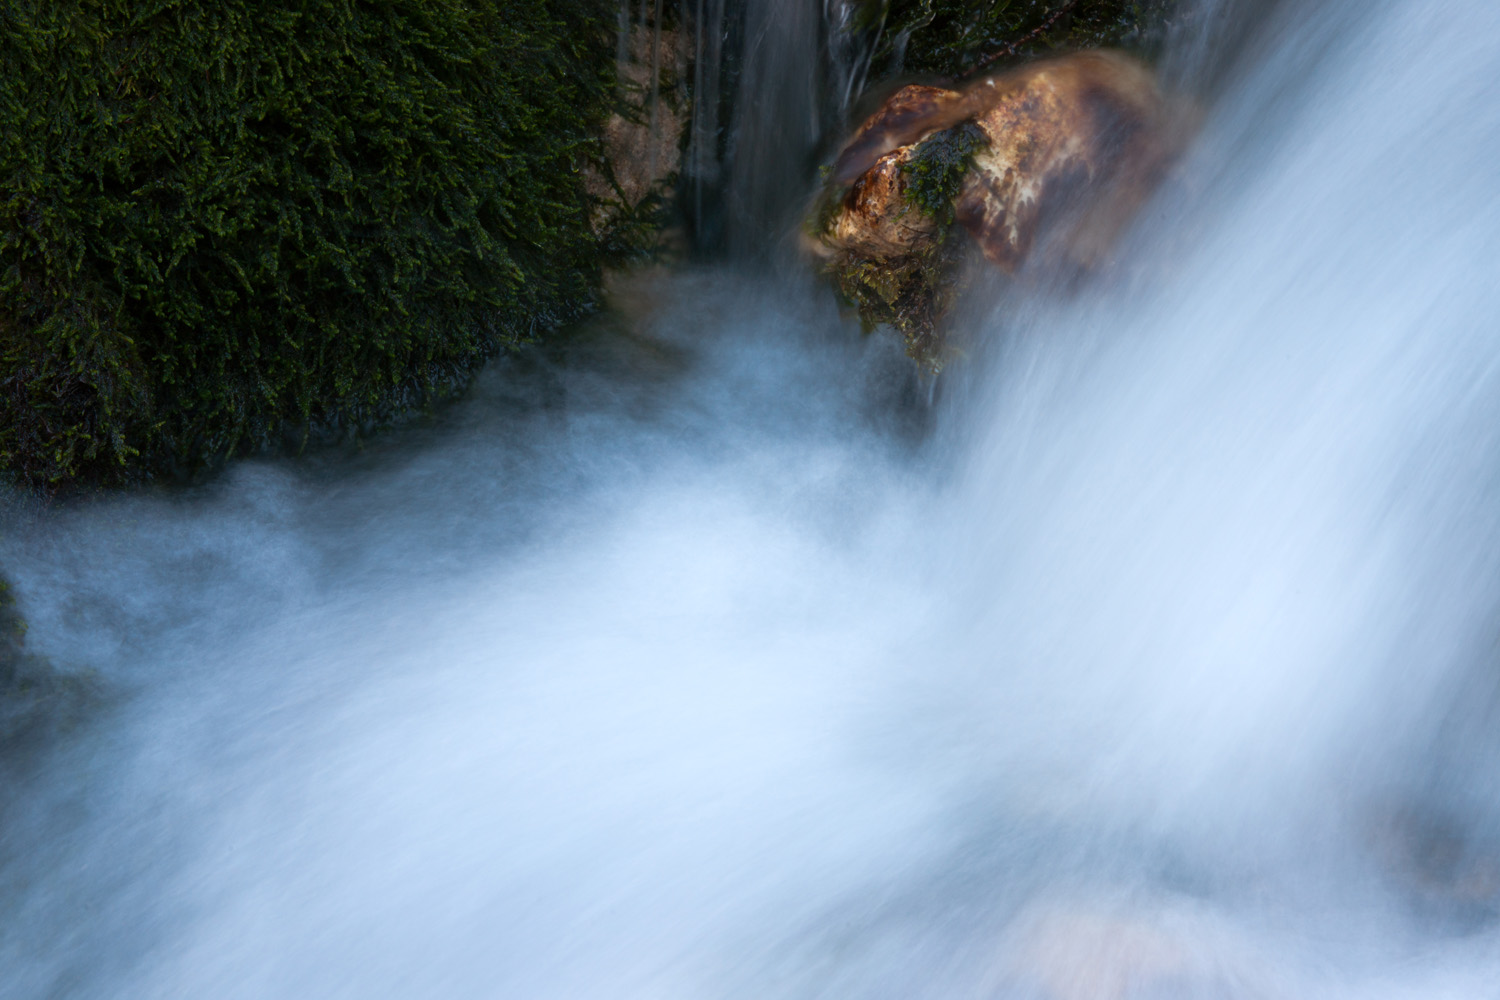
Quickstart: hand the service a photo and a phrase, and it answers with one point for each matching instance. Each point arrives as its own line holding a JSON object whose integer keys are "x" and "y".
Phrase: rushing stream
{"x": 1154, "y": 652}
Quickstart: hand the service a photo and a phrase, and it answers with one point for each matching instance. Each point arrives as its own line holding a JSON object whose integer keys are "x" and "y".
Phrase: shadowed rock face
{"x": 1069, "y": 149}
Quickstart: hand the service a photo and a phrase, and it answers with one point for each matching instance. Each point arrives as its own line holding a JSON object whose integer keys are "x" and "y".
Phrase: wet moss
{"x": 221, "y": 222}
{"x": 937, "y": 167}
{"x": 950, "y": 38}
{"x": 911, "y": 294}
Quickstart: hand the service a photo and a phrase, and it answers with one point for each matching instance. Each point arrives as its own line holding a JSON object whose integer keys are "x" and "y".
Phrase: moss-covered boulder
{"x": 1077, "y": 141}
{"x": 951, "y": 162}
{"x": 885, "y": 227}
{"x": 1054, "y": 156}
{"x": 221, "y": 221}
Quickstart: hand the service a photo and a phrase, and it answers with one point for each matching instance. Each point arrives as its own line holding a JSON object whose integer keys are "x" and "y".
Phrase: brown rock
{"x": 876, "y": 221}
{"x": 1079, "y": 142}
{"x": 641, "y": 150}
{"x": 1071, "y": 149}
{"x": 909, "y": 113}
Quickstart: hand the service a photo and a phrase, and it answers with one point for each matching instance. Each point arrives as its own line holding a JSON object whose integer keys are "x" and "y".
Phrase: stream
{"x": 711, "y": 652}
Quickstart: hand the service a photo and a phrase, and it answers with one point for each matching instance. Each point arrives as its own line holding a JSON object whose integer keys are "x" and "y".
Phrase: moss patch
{"x": 953, "y": 37}
{"x": 910, "y": 294}
{"x": 914, "y": 291}
{"x": 937, "y": 167}
{"x": 223, "y": 220}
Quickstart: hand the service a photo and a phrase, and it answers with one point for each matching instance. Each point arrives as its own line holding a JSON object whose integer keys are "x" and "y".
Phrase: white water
{"x": 1159, "y": 657}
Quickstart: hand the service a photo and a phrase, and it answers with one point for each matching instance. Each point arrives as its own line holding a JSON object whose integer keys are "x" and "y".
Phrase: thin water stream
{"x": 711, "y": 654}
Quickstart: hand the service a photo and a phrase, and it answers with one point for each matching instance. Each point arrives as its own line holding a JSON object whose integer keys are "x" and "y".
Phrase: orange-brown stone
{"x": 1075, "y": 145}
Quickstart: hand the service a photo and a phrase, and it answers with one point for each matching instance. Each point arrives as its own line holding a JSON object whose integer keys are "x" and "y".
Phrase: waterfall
{"x": 772, "y": 82}
{"x": 698, "y": 655}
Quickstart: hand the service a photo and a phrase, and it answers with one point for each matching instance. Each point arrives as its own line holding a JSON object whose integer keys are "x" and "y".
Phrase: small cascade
{"x": 705, "y": 151}
{"x": 757, "y": 89}
{"x": 679, "y": 662}
{"x": 622, "y": 47}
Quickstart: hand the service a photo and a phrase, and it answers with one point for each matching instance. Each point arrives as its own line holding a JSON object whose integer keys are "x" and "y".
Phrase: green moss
{"x": 223, "y": 220}
{"x": 910, "y": 293}
{"x": 913, "y": 291}
{"x": 630, "y": 233}
{"x": 953, "y": 37}
{"x": 935, "y": 172}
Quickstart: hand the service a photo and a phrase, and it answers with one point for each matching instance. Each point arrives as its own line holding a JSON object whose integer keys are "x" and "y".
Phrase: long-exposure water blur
{"x": 1152, "y": 650}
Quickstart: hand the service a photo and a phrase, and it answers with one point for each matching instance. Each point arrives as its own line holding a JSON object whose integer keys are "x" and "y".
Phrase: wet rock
{"x": 643, "y": 148}
{"x": 1050, "y": 160}
{"x": 875, "y": 219}
{"x": 632, "y": 180}
{"x": 1086, "y": 135}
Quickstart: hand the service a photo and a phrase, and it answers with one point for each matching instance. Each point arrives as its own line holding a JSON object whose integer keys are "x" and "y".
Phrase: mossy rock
{"x": 911, "y": 287}
{"x": 913, "y": 154}
{"x": 225, "y": 222}
{"x": 912, "y": 295}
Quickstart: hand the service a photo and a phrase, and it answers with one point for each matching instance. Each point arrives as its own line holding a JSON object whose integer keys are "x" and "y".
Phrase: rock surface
{"x": 1056, "y": 155}
{"x": 642, "y": 150}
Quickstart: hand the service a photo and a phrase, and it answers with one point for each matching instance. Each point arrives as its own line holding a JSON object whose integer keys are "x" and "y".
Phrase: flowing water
{"x": 710, "y": 654}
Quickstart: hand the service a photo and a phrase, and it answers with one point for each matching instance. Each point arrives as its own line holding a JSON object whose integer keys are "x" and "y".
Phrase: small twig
{"x": 1011, "y": 48}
